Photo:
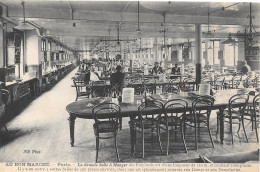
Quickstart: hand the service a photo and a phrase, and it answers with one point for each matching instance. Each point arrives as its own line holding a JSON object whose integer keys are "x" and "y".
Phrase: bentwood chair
{"x": 79, "y": 91}
{"x": 200, "y": 117}
{"x": 106, "y": 116}
{"x": 235, "y": 113}
{"x": 248, "y": 82}
{"x": 4, "y": 97}
{"x": 99, "y": 88}
{"x": 146, "y": 122}
{"x": 234, "y": 83}
{"x": 173, "y": 121}
{"x": 257, "y": 82}
{"x": 218, "y": 83}
{"x": 253, "y": 111}
{"x": 169, "y": 88}
{"x": 189, "y": 84}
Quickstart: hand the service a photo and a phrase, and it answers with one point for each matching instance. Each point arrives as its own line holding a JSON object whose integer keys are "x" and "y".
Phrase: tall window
{"x": 43, "y": 45}
{"x": 216, "y": 50}
{"x": 203, "y": 50}
{"x": 213, "y": 48}
{"x": 230, "y": 54}
{"x": 210, "y": 52}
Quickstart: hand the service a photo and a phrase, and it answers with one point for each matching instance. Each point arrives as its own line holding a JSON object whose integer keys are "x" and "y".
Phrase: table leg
{"x": 132, "y": 135}
{"x": 72, "y": 124}
{"x": 221, "y": 124}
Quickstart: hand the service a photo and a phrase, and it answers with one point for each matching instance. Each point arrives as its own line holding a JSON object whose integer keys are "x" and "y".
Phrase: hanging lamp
{"x": 209, "y": 33}
{"x": 24, "y": 25}
{"x": 229, "y": 40}
{"x": 138, "y": 33}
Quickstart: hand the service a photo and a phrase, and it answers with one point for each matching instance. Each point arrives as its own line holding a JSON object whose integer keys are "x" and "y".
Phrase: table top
{"x": 83, "y": 108}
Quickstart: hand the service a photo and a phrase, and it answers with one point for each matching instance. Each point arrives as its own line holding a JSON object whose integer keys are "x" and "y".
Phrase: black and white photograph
{"x": 111, "y": 83}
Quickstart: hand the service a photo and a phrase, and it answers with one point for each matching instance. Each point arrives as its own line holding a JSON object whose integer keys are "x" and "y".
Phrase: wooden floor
{"x": 43, "y": 129}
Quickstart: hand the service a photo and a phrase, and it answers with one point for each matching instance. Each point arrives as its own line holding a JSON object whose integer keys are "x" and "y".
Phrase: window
{"x": 49, "y": 46}
{"x": 43, "y": 45}
{"x": 216, "y": 50}
{"x": 210, "y": 52}
{"x": 213, "y": 48}
{"x": 204, "y": 54}
{"x": 230, "y": 55}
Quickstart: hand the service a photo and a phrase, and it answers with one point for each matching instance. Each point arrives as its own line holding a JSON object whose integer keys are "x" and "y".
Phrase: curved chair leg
{"x": 143, "y": 142}
{"x": 252, "y": 119}
{"x": 239, "y": 125}
{"x": 196, "y": 139}
{"x": 117, "y": 154}
{"x": 97, "y": 148}
{"x": 231, "y": 131}
{"x": 210, "y": 135}
{"x": 120, "y": 123}
{"x": 243, "y": 125}
{"x": 183, "y": 139}
{"x": 168, "y": 141}
{"x": 198, "y": 127}
{"x": 159, "y": 138}
{"x": 256, "y": 129}
{"x": 184, "y": 129}
{"x": 217, "y": 124}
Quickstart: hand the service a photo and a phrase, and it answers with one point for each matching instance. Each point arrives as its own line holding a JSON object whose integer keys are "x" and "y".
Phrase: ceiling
{"x": 94, "y": 19}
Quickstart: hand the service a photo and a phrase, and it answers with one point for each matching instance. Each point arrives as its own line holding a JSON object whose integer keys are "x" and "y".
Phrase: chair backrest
{"x": 100, "y": 82}
{"x": 189, "y": 84}
{"x": 238, "y": 103}
{"x": 248, "y": 82}
{"x": 76, "y": 86}
{"x": 257, "y": 81}
{"x": 202, "y": 105}
{"x": 236, "y": 81}
{"x": 206, "y": 80}
{"x": 105, "y": 111}
{"x": 256, "y": 104}
{"x": 150, "y": 108}
{"x": 4, "y": 95}
{"x": 219, "y": 80}
{"x": 180, "y": 104}
{"x": 169, "y": 88}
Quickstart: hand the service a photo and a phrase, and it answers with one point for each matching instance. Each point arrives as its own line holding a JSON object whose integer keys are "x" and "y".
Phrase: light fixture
{"x": 229, "y": 40}
{"x": 138, "y": 33}
{"x": 164, "y": 47}
{"x": 250, "y": 37}
{"x": 209, "y": 33}
{"x": 24, "y": 25}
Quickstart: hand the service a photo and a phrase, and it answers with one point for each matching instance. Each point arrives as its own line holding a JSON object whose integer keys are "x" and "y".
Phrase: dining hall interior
{"x": 129, "y": 81}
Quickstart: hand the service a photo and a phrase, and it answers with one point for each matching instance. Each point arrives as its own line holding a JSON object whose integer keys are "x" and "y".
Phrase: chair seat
{"x": 234, "y": 115}
{"x": 147, "y": 123}
{"x": 83, "y": 94}
{"x": 105, "y": 126}
{"x": 200, "y": 118}
{"x": 172, "y": 120}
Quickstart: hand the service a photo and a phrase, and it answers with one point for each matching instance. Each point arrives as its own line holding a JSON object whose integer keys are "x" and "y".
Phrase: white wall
{"x": 32, "y": 47}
